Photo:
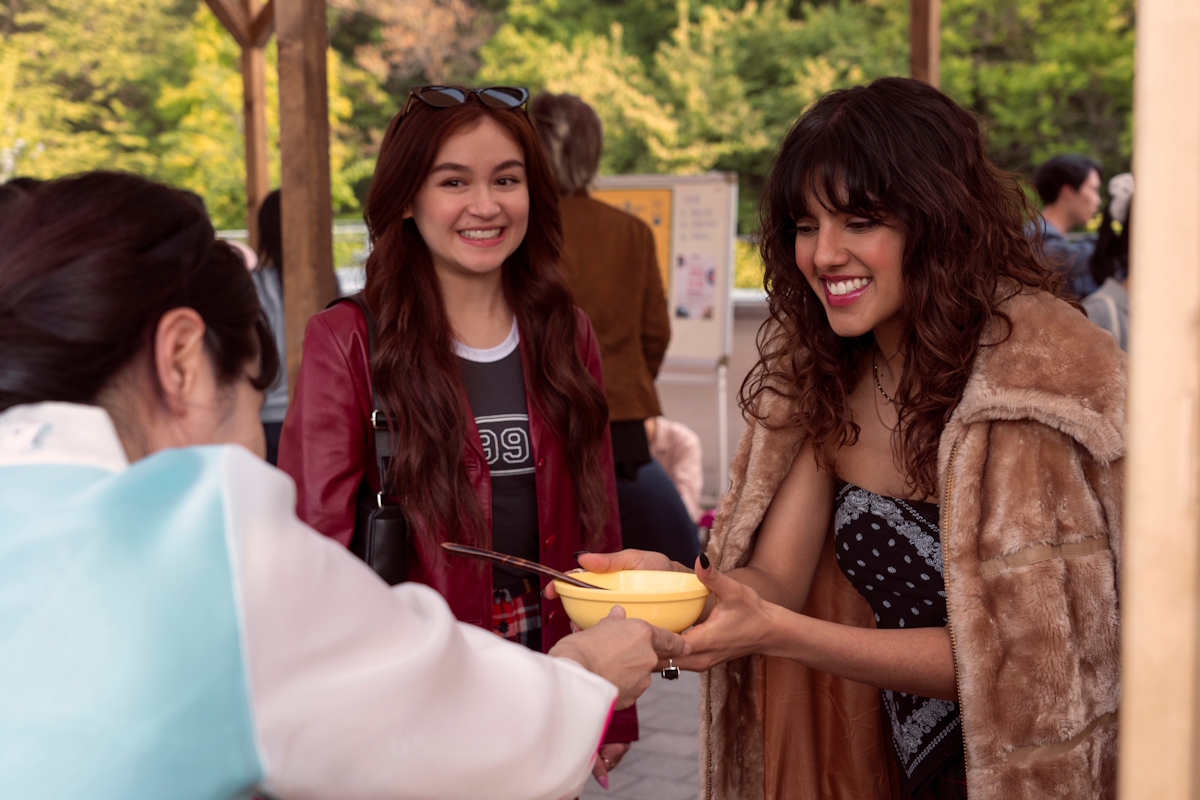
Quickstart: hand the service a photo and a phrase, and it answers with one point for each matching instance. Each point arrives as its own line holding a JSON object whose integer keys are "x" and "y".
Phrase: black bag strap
{"x": 378, "y": 420}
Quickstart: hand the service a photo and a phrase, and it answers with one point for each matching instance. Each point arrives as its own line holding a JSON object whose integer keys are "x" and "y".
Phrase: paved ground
{"x": 663, "y": 764}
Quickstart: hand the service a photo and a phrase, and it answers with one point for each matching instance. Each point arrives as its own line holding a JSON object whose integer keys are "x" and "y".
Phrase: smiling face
{"x": 854, "y": 265}
{"x": 473, "y": 208}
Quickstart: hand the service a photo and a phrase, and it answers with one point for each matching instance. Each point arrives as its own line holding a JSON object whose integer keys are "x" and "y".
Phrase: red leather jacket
{"x": 326, "y": 446}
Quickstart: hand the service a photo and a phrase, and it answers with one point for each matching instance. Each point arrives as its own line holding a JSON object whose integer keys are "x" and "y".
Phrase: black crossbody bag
{"x": 380, "y": 530}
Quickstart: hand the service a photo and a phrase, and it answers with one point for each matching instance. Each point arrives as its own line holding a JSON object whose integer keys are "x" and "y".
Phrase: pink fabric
{"x": 677, "y": 448}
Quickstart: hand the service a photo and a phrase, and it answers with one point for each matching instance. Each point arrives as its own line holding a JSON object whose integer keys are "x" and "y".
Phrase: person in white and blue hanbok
{"x": 168, "y": 627}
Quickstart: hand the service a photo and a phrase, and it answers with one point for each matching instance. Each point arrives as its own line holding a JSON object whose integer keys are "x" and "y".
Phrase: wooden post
{"x": 305, "y": 199}
{"x": 1160, "y": 603}
{"x": 255, "y": 115}
{"x": 254, "y": 94}
{"x": 924, "y": 36}
{"x": 251, "y": 24}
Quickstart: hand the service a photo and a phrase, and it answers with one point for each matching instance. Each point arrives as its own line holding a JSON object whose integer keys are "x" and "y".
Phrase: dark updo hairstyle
{"x": 88, "y": 266}
{"x": 902, "y": 153}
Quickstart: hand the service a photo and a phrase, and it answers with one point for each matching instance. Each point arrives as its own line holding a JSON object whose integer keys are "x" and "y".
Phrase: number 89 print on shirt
{"x": 495, "y": 385}
{"x": 505, "y": 439}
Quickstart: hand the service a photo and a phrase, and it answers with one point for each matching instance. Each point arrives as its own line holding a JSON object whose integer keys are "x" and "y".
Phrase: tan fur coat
{"x": 1031, "y": 474}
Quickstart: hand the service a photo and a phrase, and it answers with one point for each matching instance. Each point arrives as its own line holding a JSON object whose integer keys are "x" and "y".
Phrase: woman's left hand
{"x": 740, "y": 623}
{"x": 607, "y": 759}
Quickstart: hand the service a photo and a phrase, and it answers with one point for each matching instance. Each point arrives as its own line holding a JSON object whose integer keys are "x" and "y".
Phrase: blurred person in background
{"x": 1108, "y": 306}
{"x": 268, "y": 282}
{"x": 170, "y": 628}
{"x": 1069, "y": 186}
{"x": 486, "y": 373}
{"x": 610, "y": 262}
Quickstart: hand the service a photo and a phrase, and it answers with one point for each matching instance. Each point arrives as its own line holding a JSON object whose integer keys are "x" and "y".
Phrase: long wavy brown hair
{"x": 900, "y": 152}
{"x": 414, "y": 369}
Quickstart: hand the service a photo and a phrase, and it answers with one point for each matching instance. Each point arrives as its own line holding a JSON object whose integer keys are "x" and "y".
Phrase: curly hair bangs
{"x": 900, "y": 152}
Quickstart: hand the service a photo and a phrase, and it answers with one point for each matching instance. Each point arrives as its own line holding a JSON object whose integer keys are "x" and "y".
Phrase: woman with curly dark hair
{"x": 923, "y": 528}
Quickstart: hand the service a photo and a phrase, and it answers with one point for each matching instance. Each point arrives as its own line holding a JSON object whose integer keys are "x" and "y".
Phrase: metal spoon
{"x": 518, "y": 563}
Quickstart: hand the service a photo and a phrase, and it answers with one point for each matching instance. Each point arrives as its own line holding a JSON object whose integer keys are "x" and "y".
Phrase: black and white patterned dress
{"x": 890, "y": 549}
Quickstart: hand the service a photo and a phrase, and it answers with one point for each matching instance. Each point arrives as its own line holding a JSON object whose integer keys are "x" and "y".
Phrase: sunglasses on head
{"x": 506, "y": 97}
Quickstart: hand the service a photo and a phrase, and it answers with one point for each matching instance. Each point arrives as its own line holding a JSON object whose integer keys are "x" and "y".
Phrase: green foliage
{"x": 79, "y": 78}
{"x": 202, "y": 148}
{"x": 720, "y": 91}
{"x": 721, "y": 87}
{"x": 748, "y": 265}
{"x": 1049, "y": 77}
{"x": 647, "y": 23}
{"x": 153, "y": 88}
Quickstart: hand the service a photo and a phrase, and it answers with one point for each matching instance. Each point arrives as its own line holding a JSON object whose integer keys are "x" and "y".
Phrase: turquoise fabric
{"x": 121, "y": 668}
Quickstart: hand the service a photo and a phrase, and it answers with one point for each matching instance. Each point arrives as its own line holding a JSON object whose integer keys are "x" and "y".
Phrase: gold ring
{"x": 607, "y": 764}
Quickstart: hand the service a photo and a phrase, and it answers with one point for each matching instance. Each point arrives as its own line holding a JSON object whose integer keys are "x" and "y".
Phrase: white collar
{"x": 490, "y": 355}
{"x": 60, "y": 433}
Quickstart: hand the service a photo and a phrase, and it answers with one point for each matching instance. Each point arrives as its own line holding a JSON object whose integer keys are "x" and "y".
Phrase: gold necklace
{"x": 875, "y": 370}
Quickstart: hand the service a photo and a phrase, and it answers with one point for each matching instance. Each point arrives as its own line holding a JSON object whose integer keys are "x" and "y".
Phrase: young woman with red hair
{"x": 487, "y": 374}
{"x": 923, "y": 527}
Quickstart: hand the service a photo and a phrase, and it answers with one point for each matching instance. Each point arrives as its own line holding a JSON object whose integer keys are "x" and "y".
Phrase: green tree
{"x": 645, "y": 23}
{"x": 152, "y": 85}
{"x": 203, "y": 147}
{"x": 1046, "y": 77}
{"x": 78, "y": 80}
{"x": 720, "y": 91}
{"x": 724, "y": 84}
{"x": 153, "y": 88}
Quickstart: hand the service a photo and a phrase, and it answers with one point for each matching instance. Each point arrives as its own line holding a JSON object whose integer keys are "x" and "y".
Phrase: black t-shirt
{"x": 496, "y": 393}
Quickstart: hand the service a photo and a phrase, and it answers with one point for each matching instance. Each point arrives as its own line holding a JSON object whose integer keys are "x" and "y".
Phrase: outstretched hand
{"x": 622, "y": 651}
{"x": 622, "y": 559}
{"x": 739, "y": 624}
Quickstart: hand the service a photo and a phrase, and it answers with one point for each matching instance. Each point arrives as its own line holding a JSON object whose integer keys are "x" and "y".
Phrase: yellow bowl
{"x": 671, "y": 600}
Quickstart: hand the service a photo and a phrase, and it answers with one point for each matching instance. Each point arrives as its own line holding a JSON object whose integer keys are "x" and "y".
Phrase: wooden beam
{"x": 263, "y": 25}
{"x": 254, "y": 95}
{"x": 306, "y": 202}
{"x": 1160, "y": 601}
{"x": 924, "y": 34}
{"x": 233, "y": 17}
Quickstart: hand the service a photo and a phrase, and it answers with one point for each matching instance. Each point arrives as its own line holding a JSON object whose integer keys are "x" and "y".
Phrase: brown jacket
{"x": 1031, "y": 468}
{"x": 610, "y": 263}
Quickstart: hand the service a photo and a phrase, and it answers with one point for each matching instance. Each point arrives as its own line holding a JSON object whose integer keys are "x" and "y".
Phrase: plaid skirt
{"x": 518, "y": 617}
